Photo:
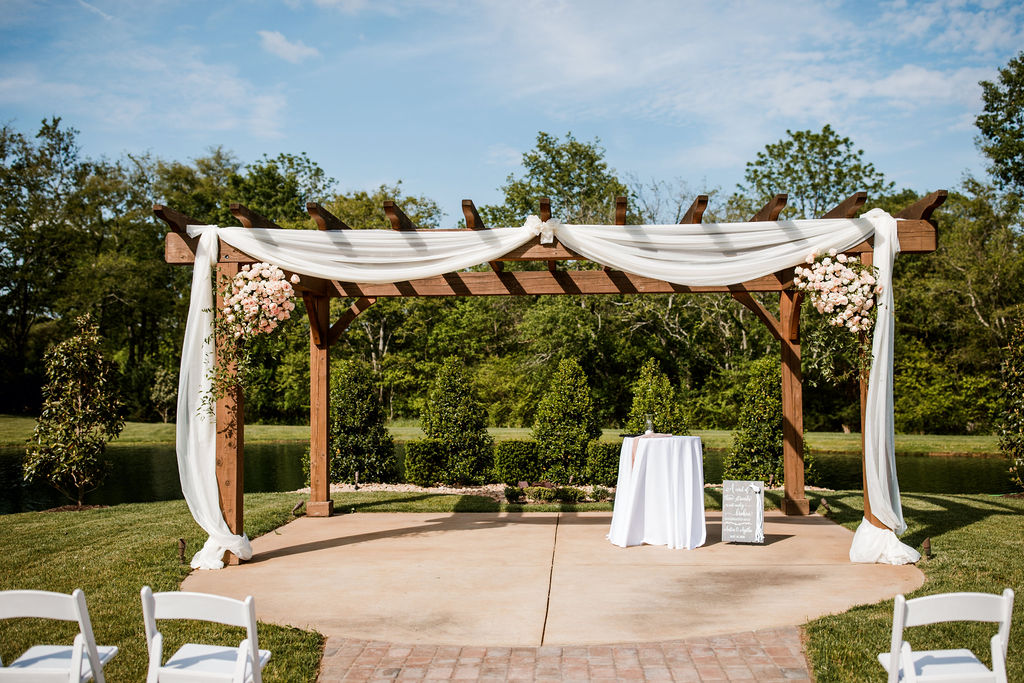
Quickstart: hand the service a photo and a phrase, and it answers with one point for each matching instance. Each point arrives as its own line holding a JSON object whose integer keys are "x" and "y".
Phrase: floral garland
{"x": 255, "y": 302}
{"x": 841, "y": 288}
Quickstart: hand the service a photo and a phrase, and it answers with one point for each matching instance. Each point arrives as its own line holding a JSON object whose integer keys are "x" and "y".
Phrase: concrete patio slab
{"x": 519, "y": 580}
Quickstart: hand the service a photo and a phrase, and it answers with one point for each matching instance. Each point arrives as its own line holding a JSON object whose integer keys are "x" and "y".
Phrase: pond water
{"x": 148, "y": 473}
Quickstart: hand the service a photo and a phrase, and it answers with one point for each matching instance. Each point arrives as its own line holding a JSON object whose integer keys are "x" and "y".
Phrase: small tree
{"x": 654, "y": 395}
{"x": 81, "y": 413}
{"x": 164, "y": 393}
{"x": 757, "y": 444}
{"x": 359, "y": 443}
{"x": 566, "y": 423}
{"x": 455, "y": 417}
{"x": 1011, "y": 441}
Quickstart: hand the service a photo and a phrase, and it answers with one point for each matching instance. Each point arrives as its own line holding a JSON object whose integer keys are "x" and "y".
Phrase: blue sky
{"x": 447, "y": 95}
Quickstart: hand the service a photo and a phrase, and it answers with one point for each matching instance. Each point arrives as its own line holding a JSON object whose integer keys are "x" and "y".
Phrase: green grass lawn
{"x": 977, "y": 545}
{"x": 14, "y": 431}
{"x": 111, "y": 553}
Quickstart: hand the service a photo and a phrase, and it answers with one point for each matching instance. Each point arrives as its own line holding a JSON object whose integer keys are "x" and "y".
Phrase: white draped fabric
{"x": 693, "y": 255}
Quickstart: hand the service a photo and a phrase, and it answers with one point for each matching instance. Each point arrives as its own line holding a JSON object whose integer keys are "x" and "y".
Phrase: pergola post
{"x": 230, "y": 416}
{"x": 794, "y": 501}
{"x": 318, "y": 311}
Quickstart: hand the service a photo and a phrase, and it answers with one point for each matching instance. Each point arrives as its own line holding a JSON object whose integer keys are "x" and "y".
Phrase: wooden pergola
{"x": 917, "y": 235}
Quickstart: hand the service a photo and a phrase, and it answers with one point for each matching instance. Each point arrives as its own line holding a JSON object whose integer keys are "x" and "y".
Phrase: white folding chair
{"x": 195, "y": 662}
{"x": 905, "y": 664}
{"x": 77, "y": 663}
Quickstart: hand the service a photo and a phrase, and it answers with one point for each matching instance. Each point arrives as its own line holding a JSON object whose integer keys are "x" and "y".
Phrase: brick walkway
{"x": 766, "y": 655}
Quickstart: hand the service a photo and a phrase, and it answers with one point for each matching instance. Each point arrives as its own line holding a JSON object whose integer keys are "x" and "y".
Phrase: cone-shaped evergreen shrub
{"x": 1011, "y": 441}
{"x": 455, "y": 417}
{"x": 566, "y": 423}
{"x": 654, "y": 395}
{"x": 757, "y": 443}
{"x": 358, "y": 440}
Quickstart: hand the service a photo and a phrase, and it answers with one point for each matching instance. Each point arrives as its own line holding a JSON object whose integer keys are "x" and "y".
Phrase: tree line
{"x": 77, "y": 236}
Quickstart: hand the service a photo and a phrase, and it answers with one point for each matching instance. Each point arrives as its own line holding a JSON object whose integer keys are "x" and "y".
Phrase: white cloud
{"x": 276, "y": 44}
{"x": 501, "y": 154}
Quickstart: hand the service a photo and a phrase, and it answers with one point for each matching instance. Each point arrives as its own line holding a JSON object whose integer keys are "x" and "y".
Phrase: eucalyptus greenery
{"x": 81, "y": 413}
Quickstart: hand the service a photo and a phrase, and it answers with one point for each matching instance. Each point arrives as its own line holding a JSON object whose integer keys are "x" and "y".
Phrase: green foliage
{"x": 514, "y": 494}
{"x": 164, "y": 393}
{"x": 454, "y": 417}
{"x": 541, "y": 494}
{"x": 654, "y": 395}
{"x": 516, "y": 461}
{"x": 1011, "y": 441}
{"x": 570, "y": 494}
{"x": 573, "y": 174}
{"x": 603, "y": 463}
{"x": 566, "y": 423}
{"x": 600, "y": 494}
{"x": 816, "y": 170}
{"x": 425, "y": 462}
{"x": 1001, "y": 124}
{"x": 757, "y": 444}
{"x": 358, "y": 441}
{"x": 81, "y": 413}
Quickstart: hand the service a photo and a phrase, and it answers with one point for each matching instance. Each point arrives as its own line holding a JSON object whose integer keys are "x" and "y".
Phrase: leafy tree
{"x": 757, "y": 443}
{"x": 1011, "y": 441}
{"x": 454, "y": 417}
{"x": 573, "y": 174}
{"x": 654, "y": 395}
{"x": 81, "y": 413}
{"x": 816, "y": 170}
{"x": 359, "y": 443}
{"x": 1001, "y": 124}
{"x": 164, "y": 393}
{"x": 566, "y": 423}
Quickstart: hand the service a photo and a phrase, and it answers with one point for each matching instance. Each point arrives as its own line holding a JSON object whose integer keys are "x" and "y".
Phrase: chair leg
{"x": 156, "y": 654}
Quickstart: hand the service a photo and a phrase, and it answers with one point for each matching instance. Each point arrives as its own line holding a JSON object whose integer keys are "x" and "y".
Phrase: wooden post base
{"x": 320, "y": 508}
{"x": 796, "y": 506}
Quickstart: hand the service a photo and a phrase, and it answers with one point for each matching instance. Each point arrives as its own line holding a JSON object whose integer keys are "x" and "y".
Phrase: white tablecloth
{"x": 659, "y": 499}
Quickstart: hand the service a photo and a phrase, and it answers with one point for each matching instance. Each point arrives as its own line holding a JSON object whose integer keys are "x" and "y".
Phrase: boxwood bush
{"x": 603, "y": 463}
{"x": 358, "y": 440}
{"x": 454, "y": 416}
{"x": 516, "y": 461}
{"x": 425, "y": 461}
{"x": 565, "y": 424}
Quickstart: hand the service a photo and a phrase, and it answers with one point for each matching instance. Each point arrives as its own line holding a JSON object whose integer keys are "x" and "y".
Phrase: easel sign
{"x": 742, "y": 511}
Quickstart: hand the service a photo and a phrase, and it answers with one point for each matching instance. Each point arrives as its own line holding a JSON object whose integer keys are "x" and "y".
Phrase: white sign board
{"x": 742, "y": 511}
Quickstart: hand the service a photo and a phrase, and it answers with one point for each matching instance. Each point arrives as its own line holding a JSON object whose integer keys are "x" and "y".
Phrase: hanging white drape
{"x": 693, "y": 255}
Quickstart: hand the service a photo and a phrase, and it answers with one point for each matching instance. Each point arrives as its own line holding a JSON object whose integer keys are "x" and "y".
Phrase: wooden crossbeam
{"x": 342, "y": 323}
{"x": 771, "y": 210}
{"x": 175, "y": 220}
{"x": 399, "y": 221}
{"x": 545, "y": 215}
{"x": 620, "y": 210}
{"x": 474, "y": 222}
{"x": 249, "y": 218}
{"x": 695, "y": 213}
{"x": 325, "y": 220}
{"x": 849, "y": 207}
{"x": 923, "y": 208}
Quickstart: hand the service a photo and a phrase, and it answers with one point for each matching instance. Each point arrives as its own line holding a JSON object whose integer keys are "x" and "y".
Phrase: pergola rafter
{"x": 917, "y": 233}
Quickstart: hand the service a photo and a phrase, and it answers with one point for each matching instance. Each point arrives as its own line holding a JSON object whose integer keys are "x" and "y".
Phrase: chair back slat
{"x": 201, "y": 606}
{"x": 43, "y": 604}
{"x": 934, "y": 609}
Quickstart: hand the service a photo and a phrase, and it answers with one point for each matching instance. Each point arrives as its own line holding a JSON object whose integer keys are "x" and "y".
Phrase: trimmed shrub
{"x": 566, "y": 423}
{"x": 569, "y": 494}
{"x": 516, "y": 461}
{"x": 1011, "y": 440}
{"x": 654, "y": 395}
{"x": 757, "y": 444}
{"x": 425, "y": 461}
{"x": 454, "y": 416}
{"x": 540, "y": 493}
{"x": 603, "y": 463}
{"x": 600, "y": 494}
{"x": 514, "y": 494}
{"x": 358, "y": 440}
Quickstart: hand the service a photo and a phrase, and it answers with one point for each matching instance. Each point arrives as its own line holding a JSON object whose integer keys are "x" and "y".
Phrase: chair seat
{"x": 194, "y": 661}
{"x": 40, "y": 658}
{"x": 960, "y": 666}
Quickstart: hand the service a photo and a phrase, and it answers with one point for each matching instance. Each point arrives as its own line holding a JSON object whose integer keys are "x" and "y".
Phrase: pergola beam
{"x": 249, "y": 218}
{"x": 474, "y": 222}
{"x": 324, "y": 219}
{"x": 695, "y": 213}
{"x": 397, "y": 217}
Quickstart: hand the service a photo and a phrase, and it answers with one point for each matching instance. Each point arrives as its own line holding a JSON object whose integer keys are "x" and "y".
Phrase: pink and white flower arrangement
{"x": 257, "y": 300}
{"x": 841, "y": 288}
